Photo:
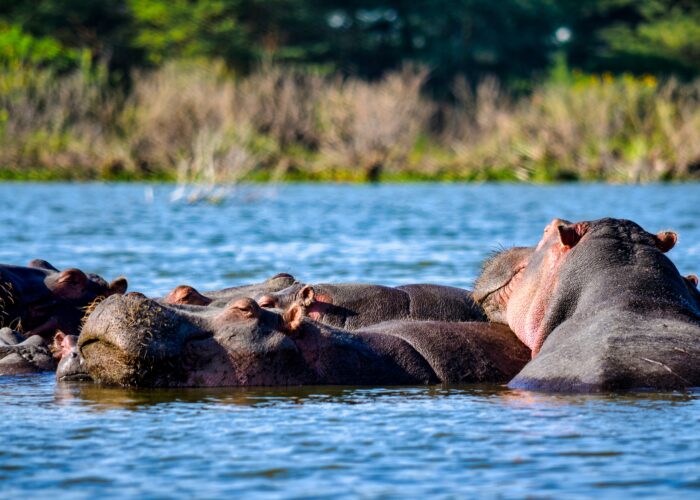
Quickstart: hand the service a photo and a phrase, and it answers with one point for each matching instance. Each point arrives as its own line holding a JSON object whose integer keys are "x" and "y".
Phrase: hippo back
{"x": 442, "y": 303}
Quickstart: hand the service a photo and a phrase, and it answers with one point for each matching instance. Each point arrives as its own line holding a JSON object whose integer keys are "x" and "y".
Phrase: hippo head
{"x": 40, "y": 299}
{"x": 533, "y": 289}
{"x": 135, "y": 341}
{"x": 185, "y": 294}
{"x": 71, "y": 365}
{"x": 498, "y": 276}
{"x": 298, "y": 292}
{"x": 73, "y": 285}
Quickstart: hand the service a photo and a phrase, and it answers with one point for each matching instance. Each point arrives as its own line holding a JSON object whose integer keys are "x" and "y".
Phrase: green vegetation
{"x": 462, "y": 90}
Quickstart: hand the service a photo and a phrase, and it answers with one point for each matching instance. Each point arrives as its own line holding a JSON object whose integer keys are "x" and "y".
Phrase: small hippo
{"x": 70, "y": 366}
{"x": 601, "y": 307}
{"x": 140, "y": 342}
{"x": 352, "y": 306}
{"x": 19, "y": 355}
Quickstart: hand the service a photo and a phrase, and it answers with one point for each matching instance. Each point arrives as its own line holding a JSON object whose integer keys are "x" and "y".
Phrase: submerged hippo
{"x": 187, "y": 295}
{"x": 136, "y": 341}
{"x": 600, "y": 306}
{"x": 353, "y": 306}
{"x": 19, "y": 355}
{"x": 39, "y": 299}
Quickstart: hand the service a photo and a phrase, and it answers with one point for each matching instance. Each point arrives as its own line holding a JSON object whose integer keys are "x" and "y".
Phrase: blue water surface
{"x": 80, "y": 440}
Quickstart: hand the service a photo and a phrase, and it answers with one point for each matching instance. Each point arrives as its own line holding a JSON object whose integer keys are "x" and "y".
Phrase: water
{"x": 78, "y": 440}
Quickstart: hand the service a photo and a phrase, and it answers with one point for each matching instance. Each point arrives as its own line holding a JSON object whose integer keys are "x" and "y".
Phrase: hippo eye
{"x": 266, "y": 301}
{"x": 502, "y": 290}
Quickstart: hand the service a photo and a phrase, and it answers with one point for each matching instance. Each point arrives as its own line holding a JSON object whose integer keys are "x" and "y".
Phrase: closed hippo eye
{"x": 245, "y": 308}
{"x": 267, "y": 301}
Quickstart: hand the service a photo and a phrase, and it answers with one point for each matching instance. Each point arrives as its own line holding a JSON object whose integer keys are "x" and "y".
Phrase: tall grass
{"x": 197, "y": 122}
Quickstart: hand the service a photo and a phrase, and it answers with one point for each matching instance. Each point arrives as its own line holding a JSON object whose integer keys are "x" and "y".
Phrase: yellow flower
{"x": 649, "y": 80}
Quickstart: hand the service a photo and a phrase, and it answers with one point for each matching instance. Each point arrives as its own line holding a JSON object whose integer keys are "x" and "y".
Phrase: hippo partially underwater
{"x": 594, "y": 306}
{"x": 136, "y": 341}
{"x": 37, "y": 302}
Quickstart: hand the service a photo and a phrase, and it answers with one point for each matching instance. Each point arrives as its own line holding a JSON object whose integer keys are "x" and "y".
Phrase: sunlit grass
{"x": 192, "y": 122}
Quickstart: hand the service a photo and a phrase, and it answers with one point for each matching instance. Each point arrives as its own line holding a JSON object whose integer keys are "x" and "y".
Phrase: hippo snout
{"x": 133, "y": 338}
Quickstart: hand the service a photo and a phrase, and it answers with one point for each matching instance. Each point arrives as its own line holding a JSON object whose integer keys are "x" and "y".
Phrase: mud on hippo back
{"x": 136, "y": 341}
{"x": 601, "y": 307}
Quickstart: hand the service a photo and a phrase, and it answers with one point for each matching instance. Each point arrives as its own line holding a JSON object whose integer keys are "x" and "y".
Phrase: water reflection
{"x": 101, "y": 397}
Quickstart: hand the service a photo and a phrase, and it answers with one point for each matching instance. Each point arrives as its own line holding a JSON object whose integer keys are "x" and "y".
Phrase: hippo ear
{"x": 41, "y": 264}
{"x": 665, "y": 240}
{"x": 570, "y": 234}
{"x": 293, "y": 317}
{"x": 692, "y": 278}
{"x": 57, "y": 345}
{"x": 281, "y": 275}
{"x": 307, "y": 295}
{"x": 118, "y": 286}
{"x": 72, "y": 277}
{"x": 70, "y": 284}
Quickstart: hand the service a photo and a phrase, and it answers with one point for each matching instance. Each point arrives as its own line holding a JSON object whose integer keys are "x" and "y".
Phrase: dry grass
{"x": 197, "y": 123}
{"x": 594, "y": 128}
{"x": 373, "y": 126}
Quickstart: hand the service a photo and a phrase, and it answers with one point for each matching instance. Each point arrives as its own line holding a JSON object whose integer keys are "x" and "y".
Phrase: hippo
{"x": 71, "y": 364}
{"x": 188, "y": 295}
{"x": 39, "y": 299}
{"x": 601, "y": 308}
{"x": 352, "y": 306}
{"x": 140, "y": 342}
{"x": 19, "y": 355}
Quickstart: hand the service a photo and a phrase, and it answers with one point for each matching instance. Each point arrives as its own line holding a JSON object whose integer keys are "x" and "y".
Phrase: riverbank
{"x": 197, "y": 122}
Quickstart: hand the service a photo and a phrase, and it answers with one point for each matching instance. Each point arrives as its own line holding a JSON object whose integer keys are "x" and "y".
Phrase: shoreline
{"x": 48, "y": 175}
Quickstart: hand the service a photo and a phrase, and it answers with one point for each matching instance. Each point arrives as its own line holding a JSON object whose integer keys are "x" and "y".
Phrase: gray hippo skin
{"x": 352, "y": 306}
{"x": 19, "y": 355}
{"x": 603, "y": 309}
{"x": 691, "y": 281}
{"x": 136, "y": 341}
{"x": 40, "y": 299}
{"x": 187, "y": 295}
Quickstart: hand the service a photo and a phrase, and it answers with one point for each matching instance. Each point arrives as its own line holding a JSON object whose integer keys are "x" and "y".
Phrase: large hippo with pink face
{"x": 601, "y": 307}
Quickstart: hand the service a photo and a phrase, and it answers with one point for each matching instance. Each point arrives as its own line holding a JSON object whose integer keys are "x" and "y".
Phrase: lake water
{"x": 79, "y": 440}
